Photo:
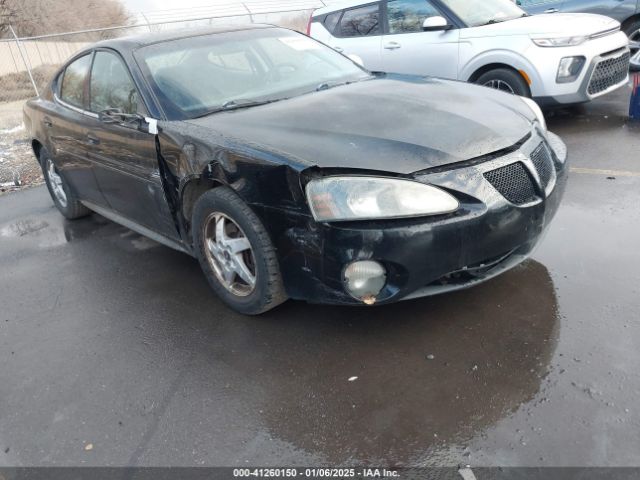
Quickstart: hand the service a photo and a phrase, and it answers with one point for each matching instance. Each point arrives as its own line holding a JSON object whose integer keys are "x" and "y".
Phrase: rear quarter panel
{"x": 34, "y": 111}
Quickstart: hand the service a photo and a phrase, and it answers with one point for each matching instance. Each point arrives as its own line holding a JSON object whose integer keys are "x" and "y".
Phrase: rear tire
{"x": 505, "y": 80}
{"x": 63, "y": 197}
{"x": 236, "y": 253}
{"x": 633, "y": 32}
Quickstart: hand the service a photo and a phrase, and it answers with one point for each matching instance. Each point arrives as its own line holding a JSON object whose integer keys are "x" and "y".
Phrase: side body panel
{"x": 126, "y": 166}
{"x": 422, "y": 53}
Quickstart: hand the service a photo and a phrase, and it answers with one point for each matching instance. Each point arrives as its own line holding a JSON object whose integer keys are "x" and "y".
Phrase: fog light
{"x": 569, "y": 69}
{"x": 364, "y": 280}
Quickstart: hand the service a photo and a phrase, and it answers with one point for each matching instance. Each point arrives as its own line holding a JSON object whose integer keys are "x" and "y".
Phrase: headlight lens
{"x": 366, "y": 198}
{"x": 569, "y": 69}
{"x": 559, "y": 41}
{"x": 538, "y": 112}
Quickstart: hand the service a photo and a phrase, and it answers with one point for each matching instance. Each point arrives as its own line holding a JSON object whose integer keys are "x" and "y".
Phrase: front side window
{"x": 408, "y": 16}
{"x": 361, "y": 22}
{"x": 72, "y": 88}
{"x": 111, "y": 86}
{"x": 196, "y": 76}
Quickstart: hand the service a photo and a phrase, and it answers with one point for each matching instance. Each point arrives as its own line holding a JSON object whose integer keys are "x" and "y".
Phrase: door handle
{"x": 551, "y": 10}
{"x": 47, "y": 123}
{"x": 93, "y": 140}
{"x": 338, "y": 49}
{"x": 392, "y": 45}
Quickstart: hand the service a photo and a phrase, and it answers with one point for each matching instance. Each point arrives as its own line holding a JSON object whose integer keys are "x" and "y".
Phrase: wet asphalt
{"x": 109, "y": 339}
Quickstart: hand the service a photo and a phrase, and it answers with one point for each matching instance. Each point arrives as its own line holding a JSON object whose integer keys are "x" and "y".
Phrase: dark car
{"x": 627, "y": 12}
{"x": 289, "y": 171}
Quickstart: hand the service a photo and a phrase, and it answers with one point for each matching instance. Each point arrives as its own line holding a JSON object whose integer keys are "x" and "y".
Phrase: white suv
{"x": 556, "y": 59}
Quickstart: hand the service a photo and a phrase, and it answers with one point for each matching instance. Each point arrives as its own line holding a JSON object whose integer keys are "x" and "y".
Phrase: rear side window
{"x": 72, "y": 88}
{"x": 408, "y": 16}
{"x": 360, "y": 22}
{"x": 111, "y": 86}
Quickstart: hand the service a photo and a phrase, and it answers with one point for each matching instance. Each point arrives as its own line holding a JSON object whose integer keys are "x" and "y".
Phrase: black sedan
{"x": 289, "y": 171}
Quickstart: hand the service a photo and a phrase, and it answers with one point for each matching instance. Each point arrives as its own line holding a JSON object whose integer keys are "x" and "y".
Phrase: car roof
{"x": 134, "y": 42}
{"x": 341, "y": 5}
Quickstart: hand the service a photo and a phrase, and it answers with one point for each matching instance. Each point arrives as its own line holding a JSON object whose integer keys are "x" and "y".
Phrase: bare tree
{"x": 37, "y": 17}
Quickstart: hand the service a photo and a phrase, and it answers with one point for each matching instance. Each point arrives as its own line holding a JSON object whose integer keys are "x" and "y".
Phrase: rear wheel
{"x": 236, "y": 253}
{"x": 505, "y": 80}
{"x": 633, "y": 32}
{"x": 63, "y": 198}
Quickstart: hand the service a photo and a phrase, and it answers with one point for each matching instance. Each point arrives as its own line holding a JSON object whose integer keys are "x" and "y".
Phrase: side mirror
{"x": 131, "y": 120}
{"x": 435, "y": 24}
{"x": 109, "y": 116}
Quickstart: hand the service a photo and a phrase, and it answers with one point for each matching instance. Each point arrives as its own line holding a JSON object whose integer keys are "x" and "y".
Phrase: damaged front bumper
{"x": 485, "y": 237}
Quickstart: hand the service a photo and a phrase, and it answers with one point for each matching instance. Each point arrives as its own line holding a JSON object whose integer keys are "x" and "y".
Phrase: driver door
{"x": 125, "y": 158}
{"x": 407, "y": 49}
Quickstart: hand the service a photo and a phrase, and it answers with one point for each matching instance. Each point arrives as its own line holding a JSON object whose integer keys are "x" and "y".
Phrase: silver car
{"x": 627, "y": 12}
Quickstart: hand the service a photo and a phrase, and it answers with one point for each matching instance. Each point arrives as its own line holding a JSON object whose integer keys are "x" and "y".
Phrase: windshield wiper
{"x": 243, "y": 103}
{"x": 493, "y": 21}
{"x": 328, "y": 85}
{"x": 500, "y": 20}
{"x": 236, "y": 104}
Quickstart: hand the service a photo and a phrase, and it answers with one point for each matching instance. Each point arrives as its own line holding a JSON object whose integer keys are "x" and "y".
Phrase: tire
{"x": 62, "y": 195}
{"x": 505, "y": 80}
{"x": 220, "y": 261}
{"x": 633, "y": 32}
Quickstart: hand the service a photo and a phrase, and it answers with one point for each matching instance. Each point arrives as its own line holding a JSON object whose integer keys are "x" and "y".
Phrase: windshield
{"x": 199, "y": 75}
{"x": 483, "y": 12}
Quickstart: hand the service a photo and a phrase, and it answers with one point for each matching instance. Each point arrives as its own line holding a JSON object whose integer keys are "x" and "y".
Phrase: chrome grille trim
{"x": 609, "y": 72}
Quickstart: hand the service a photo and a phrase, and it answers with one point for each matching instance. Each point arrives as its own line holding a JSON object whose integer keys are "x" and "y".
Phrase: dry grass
{"x": 17, "y": 86}
{"x": 295, "y": 21}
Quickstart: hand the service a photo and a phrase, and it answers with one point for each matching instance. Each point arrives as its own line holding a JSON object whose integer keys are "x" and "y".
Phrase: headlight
{"x": 538, "y": 112}
{"x": 366, "y": 198}
{"x": 569, "y": 69}
{"x": 559, "y": 41}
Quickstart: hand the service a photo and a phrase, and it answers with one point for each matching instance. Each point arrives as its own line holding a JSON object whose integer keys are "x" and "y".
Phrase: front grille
{"x": 544, "y": 165}
{"x": 608, "y": 73}
{"x": 513, "y": 182}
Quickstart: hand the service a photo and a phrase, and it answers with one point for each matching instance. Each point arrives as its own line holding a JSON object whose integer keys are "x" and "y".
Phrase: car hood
{"x": 560, "y": 24}
{"x": 392, "y": 124}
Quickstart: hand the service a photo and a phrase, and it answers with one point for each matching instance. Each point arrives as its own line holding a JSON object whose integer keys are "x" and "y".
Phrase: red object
{"x": 309, "y": 25}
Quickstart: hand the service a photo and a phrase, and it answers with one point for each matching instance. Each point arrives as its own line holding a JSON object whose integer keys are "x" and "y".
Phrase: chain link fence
{"x": 27, "y": 64}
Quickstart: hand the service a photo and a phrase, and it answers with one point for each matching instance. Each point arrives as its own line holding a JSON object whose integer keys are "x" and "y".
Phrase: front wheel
{"x": 633, "y": 32}
{"x": 505, "y": 80}
{"x": 236, "y": 253}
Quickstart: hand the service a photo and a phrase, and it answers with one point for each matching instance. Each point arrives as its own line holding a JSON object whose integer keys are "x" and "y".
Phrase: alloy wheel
{"x": 55, "y": 180}
{"x": 230, "y": 254}
{"x": 499, "y": 85}
{"x": 634, "y": 45}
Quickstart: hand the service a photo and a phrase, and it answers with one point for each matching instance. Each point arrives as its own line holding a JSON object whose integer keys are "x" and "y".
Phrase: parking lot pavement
{"x": 108, "y": 339}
